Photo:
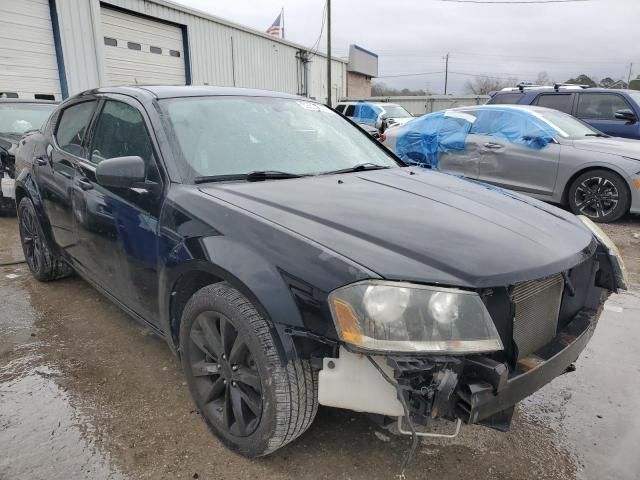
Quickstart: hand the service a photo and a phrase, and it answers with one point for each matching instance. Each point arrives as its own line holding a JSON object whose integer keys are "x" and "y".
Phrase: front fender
{"x": 255, "y": 277}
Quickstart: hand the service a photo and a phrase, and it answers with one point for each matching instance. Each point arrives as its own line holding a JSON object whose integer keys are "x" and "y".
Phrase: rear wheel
{"x": 43, "y": 263}
{"x": 250, "y": 397}
{"x": 601, "y": 195}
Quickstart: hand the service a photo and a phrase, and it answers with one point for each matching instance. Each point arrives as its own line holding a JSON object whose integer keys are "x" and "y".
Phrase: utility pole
{"x": 446, "y": 72}
{"x": 329, "y": 53}
{"x": 630, "y": 73}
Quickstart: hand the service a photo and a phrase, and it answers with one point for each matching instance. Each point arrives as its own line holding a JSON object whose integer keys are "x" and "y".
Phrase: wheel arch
{"x": 191, "y": 276}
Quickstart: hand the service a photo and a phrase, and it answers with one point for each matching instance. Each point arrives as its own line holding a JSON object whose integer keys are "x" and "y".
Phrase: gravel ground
{"x": 86, "y": 393}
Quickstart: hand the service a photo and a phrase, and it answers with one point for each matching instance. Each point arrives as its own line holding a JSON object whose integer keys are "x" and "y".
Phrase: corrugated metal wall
{"x": 220, "y": 52}
{"x": 432, "y": 103}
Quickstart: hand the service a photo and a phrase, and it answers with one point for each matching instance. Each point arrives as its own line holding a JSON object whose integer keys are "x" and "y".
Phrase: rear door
{"x": 517, "y": 166}
{"x": 599, "y": 110}
{"x": 54, "y": 171}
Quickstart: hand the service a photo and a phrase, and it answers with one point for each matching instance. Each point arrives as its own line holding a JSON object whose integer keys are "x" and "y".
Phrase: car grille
{"x": 537, "y": 306}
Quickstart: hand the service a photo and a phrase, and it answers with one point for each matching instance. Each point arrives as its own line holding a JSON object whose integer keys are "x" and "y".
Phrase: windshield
{"x": 219, "y": 136}
{"x": 568, "y": 126}
{"x": 635, "y": 96}
{"x": 395, "y": 111}
{"x": 19, "y": 118}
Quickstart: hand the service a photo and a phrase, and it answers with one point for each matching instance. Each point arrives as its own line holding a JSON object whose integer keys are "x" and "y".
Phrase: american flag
{"x": 277, "y": 28}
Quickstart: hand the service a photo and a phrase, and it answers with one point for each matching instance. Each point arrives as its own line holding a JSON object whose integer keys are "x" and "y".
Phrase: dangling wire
{"x": 407, "y": 415}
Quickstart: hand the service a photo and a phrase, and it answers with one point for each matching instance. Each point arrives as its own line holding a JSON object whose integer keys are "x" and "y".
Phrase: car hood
{"x": 614, "y": 145}
{"x": 419, "y": 225}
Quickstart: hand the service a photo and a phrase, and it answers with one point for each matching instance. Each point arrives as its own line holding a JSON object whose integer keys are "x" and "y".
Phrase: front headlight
{"x": 620, "y": 270}
{"x": 404, "y": 317}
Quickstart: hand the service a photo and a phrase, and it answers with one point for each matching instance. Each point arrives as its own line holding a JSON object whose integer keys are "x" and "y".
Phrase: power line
{"x": 419, "y": 74}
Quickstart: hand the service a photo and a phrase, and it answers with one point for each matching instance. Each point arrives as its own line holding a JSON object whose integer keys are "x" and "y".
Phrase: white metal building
{"x": 62, "y": 47}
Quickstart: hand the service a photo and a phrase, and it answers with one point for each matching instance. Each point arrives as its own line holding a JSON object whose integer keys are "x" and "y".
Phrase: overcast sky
{"x": 597, "y": 37}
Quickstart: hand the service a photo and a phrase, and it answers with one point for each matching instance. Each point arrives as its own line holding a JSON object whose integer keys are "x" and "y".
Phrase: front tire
{"x": 44, "y": 264}
{"x": 250, "y": 397}
{"x": 601, "y": 195}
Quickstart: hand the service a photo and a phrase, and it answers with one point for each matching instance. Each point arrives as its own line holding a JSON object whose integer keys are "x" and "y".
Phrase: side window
{"x": 600, "y": 106}
{"x": 349, "y": 111}
{"x": 557, "y": 101}
{"x": 506, "y": 99}
{"x": 340, "y": 108}
{"x": 72, "y": 127}
{"x": 120, "y": 132}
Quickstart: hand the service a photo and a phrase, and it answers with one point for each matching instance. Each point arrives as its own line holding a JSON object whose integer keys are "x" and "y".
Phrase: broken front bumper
{"x": 489, "y": 387}
{"x": 475, "y": 389}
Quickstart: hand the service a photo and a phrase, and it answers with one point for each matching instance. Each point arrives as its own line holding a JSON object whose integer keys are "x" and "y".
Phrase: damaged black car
{"x": 291, "y": 261}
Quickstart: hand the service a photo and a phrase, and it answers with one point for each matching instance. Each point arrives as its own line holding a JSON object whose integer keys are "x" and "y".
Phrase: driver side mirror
{"x": 626, "y": 114}
{"x": 121, "y": 172}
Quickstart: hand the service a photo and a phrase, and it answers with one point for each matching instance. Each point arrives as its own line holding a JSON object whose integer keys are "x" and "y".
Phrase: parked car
{"x": 380, "y": 115}
{"x": 614, "y": 112}
{"x": 537, "y": 151}
{"x": 374, "y": 132}
{"x": 16, "y": 118}
{"x": 290, "y": 260}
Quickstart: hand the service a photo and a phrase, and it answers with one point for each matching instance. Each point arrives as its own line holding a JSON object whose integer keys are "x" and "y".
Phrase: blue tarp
{"x": 365, "y": 112}
{"x": 421, "y": 140}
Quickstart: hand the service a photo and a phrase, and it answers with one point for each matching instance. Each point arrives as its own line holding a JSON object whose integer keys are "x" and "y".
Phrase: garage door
{"x": 140, "y": 50}
{"x": 28, "y": 64}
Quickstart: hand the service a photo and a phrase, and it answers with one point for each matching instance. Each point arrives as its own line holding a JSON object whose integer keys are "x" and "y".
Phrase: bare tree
{"x": 483, "y": 85}
{"x": 543, "y": 79}
{"x": 381, "y": 89}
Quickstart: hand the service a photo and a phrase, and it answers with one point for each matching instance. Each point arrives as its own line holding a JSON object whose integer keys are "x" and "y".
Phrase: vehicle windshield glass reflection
{"x": 234, "y": 136}
{"x": 569, "y": 127}
{"x": 19, "y": 118}
{"x": 396, "y": 111}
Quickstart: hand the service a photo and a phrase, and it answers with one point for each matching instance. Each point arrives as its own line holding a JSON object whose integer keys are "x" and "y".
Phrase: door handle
{"x": 492, "y": 145}
{"x": 85, "y": 184}
{"x": 41, "y": 161}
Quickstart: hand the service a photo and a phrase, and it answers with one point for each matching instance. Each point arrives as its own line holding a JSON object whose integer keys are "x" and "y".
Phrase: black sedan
{"x": 289, "y": 260}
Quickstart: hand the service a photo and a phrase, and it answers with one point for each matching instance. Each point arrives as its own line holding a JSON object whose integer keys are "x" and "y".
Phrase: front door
{"x": 513, "y": 151}
{"x": 518, "y": 166}
{"x": 599, "y": 110}
{"x": 117, "y": 228}
{"x": 54, "y": 170}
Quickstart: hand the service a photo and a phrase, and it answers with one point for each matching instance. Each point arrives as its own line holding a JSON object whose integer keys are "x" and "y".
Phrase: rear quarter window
{"x": 506, "y": 99}
{"x": 557, "y": 101}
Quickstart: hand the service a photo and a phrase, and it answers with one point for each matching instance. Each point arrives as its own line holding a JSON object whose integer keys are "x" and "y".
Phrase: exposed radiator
{"x": 537, "y": 306}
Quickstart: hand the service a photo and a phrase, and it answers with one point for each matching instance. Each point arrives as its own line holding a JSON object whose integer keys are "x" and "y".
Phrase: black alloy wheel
{"x": 225, "y": 372}
{"x": 601, "y": 195}
{"x": 31, "y": 239}
{"x": 44, "y": 264}
{"x": 251, "y": 397}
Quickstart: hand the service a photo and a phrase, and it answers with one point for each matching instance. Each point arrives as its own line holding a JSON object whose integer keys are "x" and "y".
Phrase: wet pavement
{"x": 86, "y": 393}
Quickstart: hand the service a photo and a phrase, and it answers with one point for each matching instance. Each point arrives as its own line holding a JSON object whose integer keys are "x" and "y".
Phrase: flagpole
{"x": 282, "y": 13}
{"x": 329, "y": 53}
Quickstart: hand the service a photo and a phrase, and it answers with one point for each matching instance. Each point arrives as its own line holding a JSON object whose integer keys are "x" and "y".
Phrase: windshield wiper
{"x": 361, "y": 167}
{"x": 256, "y": 176}
{"x": 602, "y": 135}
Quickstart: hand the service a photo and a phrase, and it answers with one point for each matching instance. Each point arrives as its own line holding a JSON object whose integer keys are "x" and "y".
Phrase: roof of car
{"x": 173, "y": 91}
{"x": 526, "y": 108}
{"x": 563, "y": 90}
